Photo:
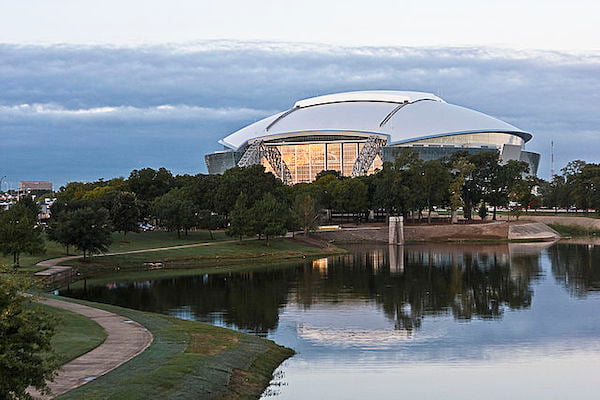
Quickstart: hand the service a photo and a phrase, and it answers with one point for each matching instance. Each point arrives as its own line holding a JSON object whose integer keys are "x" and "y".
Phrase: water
{"x": 518, "y": 321}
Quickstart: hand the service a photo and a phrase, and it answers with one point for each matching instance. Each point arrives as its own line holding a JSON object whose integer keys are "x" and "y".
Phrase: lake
{"x": 493, "y": 321}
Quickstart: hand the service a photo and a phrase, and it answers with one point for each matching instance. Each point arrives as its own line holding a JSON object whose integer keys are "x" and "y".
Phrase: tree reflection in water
{"x": 576, "y": 267}
{"x": 408, "y": 283}
{"x": 412, "y": 282}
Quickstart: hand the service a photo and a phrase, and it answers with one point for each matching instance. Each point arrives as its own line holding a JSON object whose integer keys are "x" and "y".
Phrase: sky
{"x": 93, "y": 89}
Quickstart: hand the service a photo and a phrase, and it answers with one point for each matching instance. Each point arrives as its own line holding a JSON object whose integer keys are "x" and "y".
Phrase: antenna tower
{"x": 552, "y": 159}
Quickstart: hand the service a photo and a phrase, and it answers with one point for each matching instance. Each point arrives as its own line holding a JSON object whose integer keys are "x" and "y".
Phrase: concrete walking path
{"x": 56, "y": 261}
{"x": 125, "y": 339}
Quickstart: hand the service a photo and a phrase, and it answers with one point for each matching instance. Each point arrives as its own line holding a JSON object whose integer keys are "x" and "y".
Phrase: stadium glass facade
{"x": 306, "y": 160}
{"x": 330, "y": 133}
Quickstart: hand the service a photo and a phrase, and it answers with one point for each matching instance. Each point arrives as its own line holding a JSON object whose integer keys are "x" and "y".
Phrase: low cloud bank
{"x": 72, "y": 112}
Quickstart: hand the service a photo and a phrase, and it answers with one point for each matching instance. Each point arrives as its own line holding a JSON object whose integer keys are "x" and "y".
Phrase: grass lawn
{"x": 574, "y": 230}
{"x": 187, "y": 360}
{"x": 246, "y": 252}
{"x": 132, "y": 241}
{"x": 75, "y": 334}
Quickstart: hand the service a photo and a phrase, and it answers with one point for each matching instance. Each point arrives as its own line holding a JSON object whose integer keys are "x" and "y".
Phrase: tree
{"x": 503, "y": 179}
{"x": 478, "y": 183}
{"x": 31, "y": 205}
{"x": 350, "y": 195}
{"x": 323, "y": 188}
{"x": 91, "y": 230}
{"x": 26, "y": 356}
{"x": 241, "y": 218}
{"x": 269, "y": 217}
{"x": 209, "y": 221}
{"x": 462, "y": 168}
{"x": 60, "y": 230}
{"x": 436, "y": 185}
{"x": 306, "y": 213}
{"x": 252, "y": 180}
{"x": 175, "y": 210}
{"x": 19, "y": 233}
{"x": 125, "y": 213}
{"x": 149, "y": 184}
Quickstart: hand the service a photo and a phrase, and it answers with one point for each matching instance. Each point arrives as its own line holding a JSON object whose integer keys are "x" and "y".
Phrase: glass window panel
{"x": 482, "y": 138}
{"x": 334, "y": 156}
{"x": 302, "y": 163}
{"x": 288, "y": 154}
{"x": 317, "y": 159}
{"x": 349, "y": 155}
{"x": 267, "y": 166}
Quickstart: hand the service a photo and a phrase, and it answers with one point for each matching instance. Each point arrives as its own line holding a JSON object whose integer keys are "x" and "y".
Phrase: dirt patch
{"x": 203, "y": 343}
{"x": 242, "y": 382}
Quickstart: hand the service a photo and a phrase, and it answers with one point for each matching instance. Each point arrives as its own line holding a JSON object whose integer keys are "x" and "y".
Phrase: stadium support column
{"x": 396, "y": 231}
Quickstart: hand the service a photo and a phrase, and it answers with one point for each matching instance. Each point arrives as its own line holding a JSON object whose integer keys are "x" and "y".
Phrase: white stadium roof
{"x": 401, "y": 116}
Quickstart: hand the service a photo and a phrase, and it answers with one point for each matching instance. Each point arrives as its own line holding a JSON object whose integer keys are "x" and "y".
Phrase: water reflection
{"x": 408, "y": 283}
{"x": 482, "y": 321}
{"x": 575, "y": 266}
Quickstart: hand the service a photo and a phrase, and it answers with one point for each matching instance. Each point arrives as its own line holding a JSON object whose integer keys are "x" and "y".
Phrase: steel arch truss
{"x": 255, "y": 153}
{"x": 372, "y": 148}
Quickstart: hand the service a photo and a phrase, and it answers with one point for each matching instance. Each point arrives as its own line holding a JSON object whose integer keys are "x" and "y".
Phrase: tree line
{"x": 251, "y": 202}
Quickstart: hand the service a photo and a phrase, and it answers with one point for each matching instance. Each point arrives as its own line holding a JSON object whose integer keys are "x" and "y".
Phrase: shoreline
{"x": 198, "y": 358}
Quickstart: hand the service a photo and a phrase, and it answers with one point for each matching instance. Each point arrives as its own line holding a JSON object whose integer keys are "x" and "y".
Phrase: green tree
{"x": 149, "y": 183}
{"x": 241, "y": 218}
{"x": 436, "y": 185}
{"x": 19, "y": 233}
{"x": 252, "y": 180}
{"x": 125, "y": 213}
{"x": 323, "y": 188}
{"x": 175, "y": 210}
{"x": 350, "y": 195}
{"x": 463, "y": 168}
{"x": 305, "y": 212}
{"x": 209, "y": 221}
{"x": 203, "y": 189}
{"x": 503, "y": 178}
{"x": 26, "y": 356}
{"x": 269, "y": 217}
{"x": 91, "y": 230}
{"x": 60, "y": 230}
{"x": 478, "y": 183}
{"x": 31, "y": 205}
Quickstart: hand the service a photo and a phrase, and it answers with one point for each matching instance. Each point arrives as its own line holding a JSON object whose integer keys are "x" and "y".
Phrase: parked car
{"x": 144, "y": 226}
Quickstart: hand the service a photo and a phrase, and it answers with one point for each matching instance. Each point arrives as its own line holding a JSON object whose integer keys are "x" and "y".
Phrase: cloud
{"x": 156, "y": 113}
{"x": 184, "y": 97}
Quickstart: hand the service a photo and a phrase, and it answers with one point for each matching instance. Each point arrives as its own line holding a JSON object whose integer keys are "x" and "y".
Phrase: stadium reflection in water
{"x": 426, "y": 321}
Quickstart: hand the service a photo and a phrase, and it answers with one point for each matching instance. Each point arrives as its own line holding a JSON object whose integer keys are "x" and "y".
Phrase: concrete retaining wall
{"x": 443, "y": 233}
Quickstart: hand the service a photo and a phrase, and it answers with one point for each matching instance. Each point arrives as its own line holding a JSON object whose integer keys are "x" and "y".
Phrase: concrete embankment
{"x": 583, "y": 222}
{"x": 521, "y": 231}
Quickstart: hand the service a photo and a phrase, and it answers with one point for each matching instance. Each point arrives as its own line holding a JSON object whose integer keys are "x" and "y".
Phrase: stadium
{"x": 355, "y": 132}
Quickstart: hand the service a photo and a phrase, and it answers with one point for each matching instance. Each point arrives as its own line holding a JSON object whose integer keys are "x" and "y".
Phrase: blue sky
{"x": 88, "y": 92}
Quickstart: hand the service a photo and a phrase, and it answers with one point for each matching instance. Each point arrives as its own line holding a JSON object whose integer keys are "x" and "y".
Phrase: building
{"x": 34, "y": 187}
{"x": 355, "y": 132}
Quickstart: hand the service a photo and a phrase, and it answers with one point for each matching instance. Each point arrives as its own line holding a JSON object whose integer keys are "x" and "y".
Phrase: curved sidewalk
{"x": 125, "y": 339}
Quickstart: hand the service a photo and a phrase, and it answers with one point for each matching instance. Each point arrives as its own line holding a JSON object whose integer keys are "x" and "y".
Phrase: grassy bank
{"x": 132, "y": 241}
{"x": 574, "y": 230}
{"x": 214, "y": 257}
{"x": 187, "y": 360}
{"x": 75, "y": 334}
